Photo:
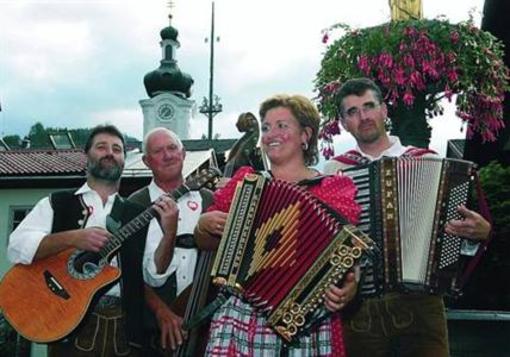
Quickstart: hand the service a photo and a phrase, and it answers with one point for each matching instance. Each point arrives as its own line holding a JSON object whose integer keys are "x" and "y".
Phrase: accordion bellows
{"x": 281, "y": 249}
{"x": 406, "y": 203}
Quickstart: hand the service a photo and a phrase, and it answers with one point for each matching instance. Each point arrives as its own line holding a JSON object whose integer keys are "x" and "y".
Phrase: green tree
{"x": 38, "y": 136}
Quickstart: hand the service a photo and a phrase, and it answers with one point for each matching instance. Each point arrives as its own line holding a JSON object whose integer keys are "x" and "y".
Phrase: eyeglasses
{"x": 355, "y": 112}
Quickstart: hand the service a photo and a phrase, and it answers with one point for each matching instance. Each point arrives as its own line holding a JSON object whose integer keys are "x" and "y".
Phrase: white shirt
{"x": 25, "y": 239}
{"x": 396, "y": 149}
{"x": 184, "y": 260}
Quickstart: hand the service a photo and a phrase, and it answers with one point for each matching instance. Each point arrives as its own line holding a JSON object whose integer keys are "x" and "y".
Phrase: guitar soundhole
{"x": 85, "y": 265}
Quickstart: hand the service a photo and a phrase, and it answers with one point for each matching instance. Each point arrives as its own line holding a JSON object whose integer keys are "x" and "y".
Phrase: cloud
{"x": 129, "y": 120}
{"x": 73, "y": 62}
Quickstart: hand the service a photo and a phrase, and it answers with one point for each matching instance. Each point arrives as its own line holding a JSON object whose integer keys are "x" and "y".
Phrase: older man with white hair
{"x": 170, "y": 254}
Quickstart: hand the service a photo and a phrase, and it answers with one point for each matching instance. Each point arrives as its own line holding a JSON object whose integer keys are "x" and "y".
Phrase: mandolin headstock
{"x": 207, "y": 178}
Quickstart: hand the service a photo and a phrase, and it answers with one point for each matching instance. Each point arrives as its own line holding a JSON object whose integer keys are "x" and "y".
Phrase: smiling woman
{"x": 289, "y": 137}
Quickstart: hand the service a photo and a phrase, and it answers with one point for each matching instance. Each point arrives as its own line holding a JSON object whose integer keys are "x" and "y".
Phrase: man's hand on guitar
{"x": 170, "y": 325}
{"x": 168, "y": 212}
{"x": 90, "y": 239}
{"x": 336, "y": 298}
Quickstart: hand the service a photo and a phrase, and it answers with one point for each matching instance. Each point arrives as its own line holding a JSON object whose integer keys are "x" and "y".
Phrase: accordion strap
{"x": 485, "y": 212}
{"x": 205, "y": 313}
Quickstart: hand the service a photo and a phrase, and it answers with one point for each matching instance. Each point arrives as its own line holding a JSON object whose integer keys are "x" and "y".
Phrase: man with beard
{"x": 413, "y": 324}
{"x": 77, "y": 219}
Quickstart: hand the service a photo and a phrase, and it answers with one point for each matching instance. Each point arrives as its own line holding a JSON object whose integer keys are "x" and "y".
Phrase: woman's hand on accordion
{"x": 473, "y": 226}
{"x": 338, "y": 297}
{"x": 210, "y": 226}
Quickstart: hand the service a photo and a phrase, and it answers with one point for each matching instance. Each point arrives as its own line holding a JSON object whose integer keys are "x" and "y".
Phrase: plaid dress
{"x": 237, "y": 329}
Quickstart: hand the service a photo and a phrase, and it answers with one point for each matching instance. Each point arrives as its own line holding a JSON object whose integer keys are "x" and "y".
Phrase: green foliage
{"x": 38, "y": 137}
{"x": 495, "y": 180}
{"x": 488, "y": 289}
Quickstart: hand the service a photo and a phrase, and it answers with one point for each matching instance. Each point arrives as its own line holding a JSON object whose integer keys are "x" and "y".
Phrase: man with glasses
{"x": 413, "y": 324}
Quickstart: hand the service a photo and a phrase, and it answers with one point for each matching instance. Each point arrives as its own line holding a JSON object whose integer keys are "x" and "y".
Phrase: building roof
{"x": 194, "y": 159}
{"x": 42, "y": 162}
{"x": 45, "y": 163}
{"x": 219, "y": 145}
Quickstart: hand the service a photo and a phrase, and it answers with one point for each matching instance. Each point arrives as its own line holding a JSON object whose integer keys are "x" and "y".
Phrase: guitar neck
{"x": 138, "y": 223}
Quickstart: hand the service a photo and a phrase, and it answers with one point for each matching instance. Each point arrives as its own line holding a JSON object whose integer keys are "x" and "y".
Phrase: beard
{"x": 100, "y": 170}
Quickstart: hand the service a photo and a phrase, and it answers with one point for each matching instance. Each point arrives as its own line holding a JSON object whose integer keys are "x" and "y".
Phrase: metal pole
{"x": 211, "y": 76}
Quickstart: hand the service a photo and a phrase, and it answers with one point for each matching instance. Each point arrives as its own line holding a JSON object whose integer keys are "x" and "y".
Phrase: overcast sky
{"x": 78, "y": 63}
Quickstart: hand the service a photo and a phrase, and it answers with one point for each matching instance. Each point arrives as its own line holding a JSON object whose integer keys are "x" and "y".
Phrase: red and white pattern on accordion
{"x": 292, "y": 231}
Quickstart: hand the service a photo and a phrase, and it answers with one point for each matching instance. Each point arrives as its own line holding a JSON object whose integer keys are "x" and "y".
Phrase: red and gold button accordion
{"x": 406, "y": 203}
{"x": 281, "y": 249}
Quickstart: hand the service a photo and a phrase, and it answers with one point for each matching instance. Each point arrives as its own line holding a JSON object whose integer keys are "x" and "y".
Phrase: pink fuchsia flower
{"x": 325, "y": 38}
{"x": 408, "y": 98}
{"x": 409, "y": 61}
{"x": 452, "y": 76}
{"x": 410, "y": 31}
{"x": 328, "y": 151}
{"x": 416, "y": 80}
{"x": 331, "y": 87}
{"x": 332, "y": 128}
{"x": 386, "y": 60}
{"x": 448, "y": 93}
{"x": 454, "y": 37}
{"x": 364, "y": 64}
{"x": 399, "y": 76}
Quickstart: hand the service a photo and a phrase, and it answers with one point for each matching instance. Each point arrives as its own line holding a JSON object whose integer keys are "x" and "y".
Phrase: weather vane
{"x": 171, "y": 6}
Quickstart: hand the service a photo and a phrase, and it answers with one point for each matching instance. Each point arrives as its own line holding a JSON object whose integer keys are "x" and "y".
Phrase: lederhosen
{"x": 71, "y": 212}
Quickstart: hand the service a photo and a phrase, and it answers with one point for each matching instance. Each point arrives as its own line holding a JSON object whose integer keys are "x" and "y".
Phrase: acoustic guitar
{"x": 46, "y": 300}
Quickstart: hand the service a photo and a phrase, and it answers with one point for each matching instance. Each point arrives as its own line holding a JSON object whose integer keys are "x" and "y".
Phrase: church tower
{"x": 169, "y": 90}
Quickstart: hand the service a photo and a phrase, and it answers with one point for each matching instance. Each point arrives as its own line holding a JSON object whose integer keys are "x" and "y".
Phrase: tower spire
{"x": 171, "y": 7}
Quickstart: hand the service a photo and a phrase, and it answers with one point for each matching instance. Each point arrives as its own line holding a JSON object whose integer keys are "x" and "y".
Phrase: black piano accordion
{"x": 406, "y": 203}
{"x": 281, "y": 249}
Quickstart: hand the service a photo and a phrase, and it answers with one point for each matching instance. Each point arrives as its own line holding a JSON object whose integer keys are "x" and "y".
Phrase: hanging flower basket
{"x": 417, "y": 63}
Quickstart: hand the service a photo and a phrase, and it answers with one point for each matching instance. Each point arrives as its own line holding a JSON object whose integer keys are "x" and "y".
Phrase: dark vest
{"x": 168, "y": 291}
{"x": 71, "y": 213}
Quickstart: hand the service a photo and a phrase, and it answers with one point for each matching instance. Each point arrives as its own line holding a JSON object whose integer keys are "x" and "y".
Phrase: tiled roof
{"x": 21, "y": 163}
{"x": 42, "y": 162}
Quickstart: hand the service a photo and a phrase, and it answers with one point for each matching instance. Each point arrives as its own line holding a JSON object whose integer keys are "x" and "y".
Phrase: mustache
{"x": 107, "y": 157}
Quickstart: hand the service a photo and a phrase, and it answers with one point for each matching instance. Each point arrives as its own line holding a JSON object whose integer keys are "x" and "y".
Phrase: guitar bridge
{"x": 54, "y": 285}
